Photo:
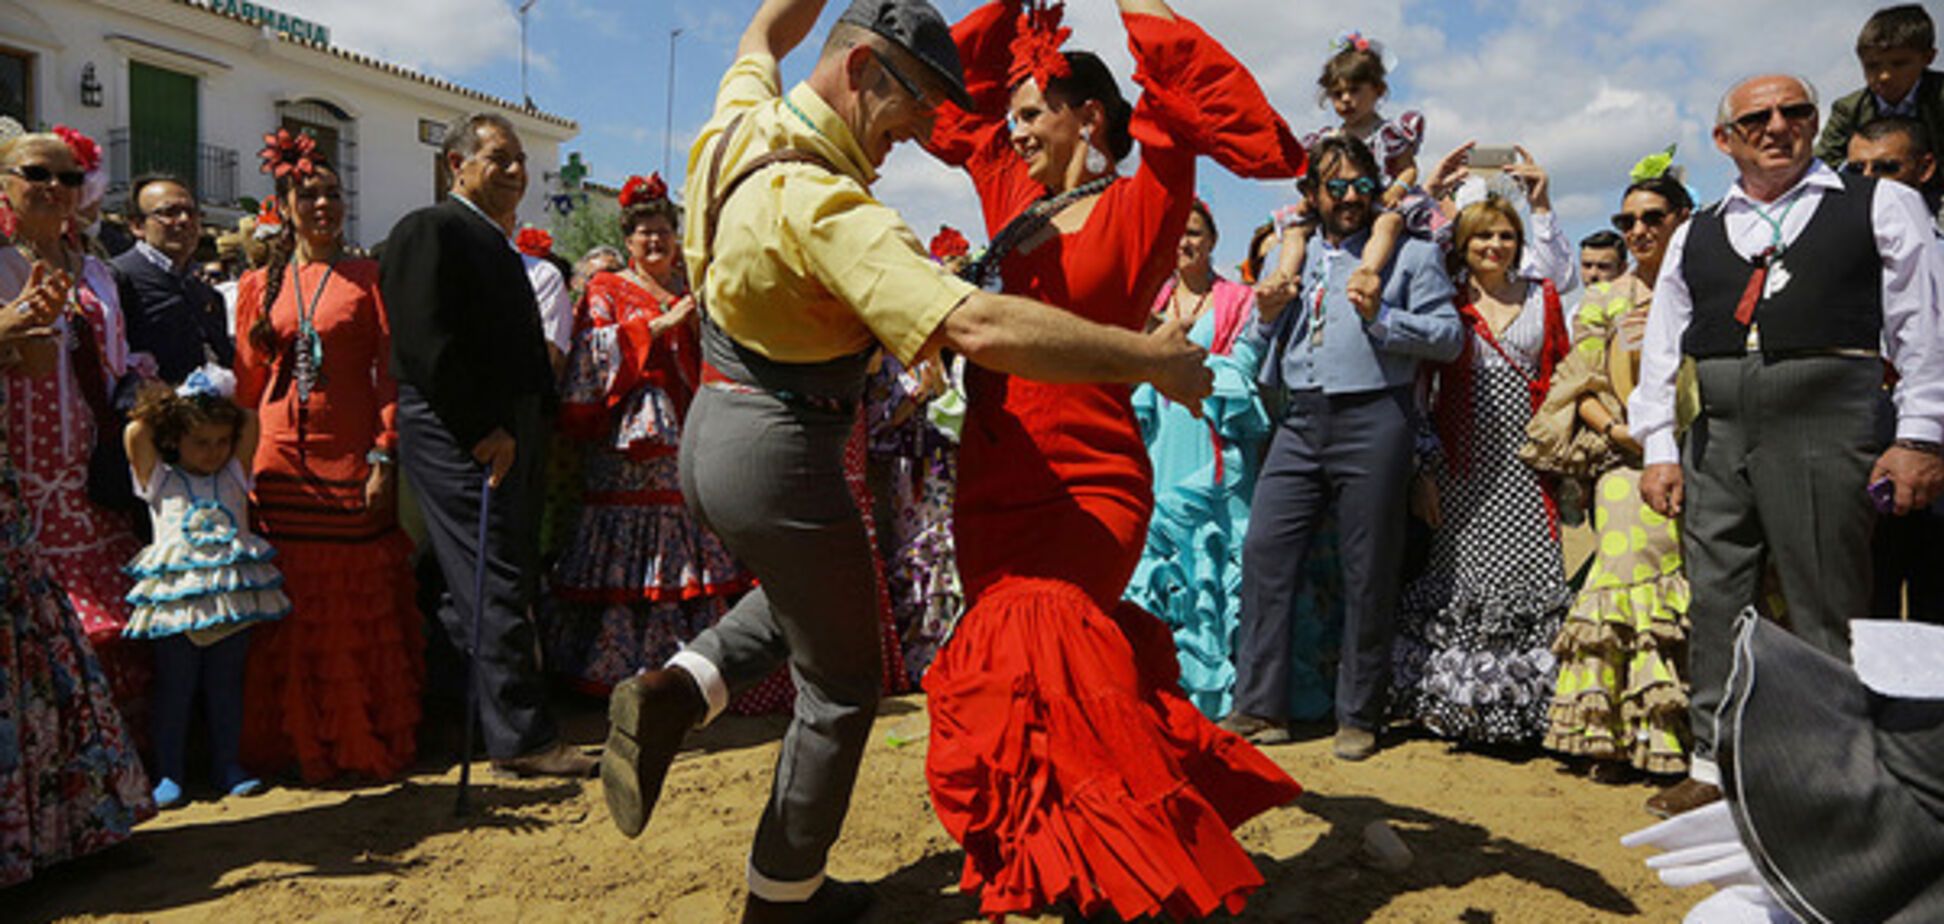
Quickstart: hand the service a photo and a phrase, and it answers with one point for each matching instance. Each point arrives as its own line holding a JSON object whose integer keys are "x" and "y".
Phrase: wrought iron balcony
{"x": 212, "y": 169}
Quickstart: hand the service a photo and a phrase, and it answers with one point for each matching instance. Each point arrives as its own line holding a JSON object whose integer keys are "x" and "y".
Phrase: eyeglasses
{"x": 35, "y": 173}
{"x": 1338, "y": 186}
{"x": 1749, "y": 123}
{"x": 1623, "y": 222}
{"x": 1875, "y": 168}
{"x": 171, "y": 212}
{"x": 903, "y": 81}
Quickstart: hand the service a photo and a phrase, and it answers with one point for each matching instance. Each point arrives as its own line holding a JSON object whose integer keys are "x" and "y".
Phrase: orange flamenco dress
{"x": 333, "y": 687}
{"x": 1064, "y": 756}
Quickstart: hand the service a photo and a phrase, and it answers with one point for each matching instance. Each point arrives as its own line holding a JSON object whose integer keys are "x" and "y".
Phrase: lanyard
{"x": 309, "y": 346}
{"x": 1775, "y": 222}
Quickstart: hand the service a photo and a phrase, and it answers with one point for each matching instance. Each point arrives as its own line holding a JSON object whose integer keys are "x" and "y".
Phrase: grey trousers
{"x": 513, "y": 715}
{"x": 1352, "y": 452}
{"x": 1774, "y": 474}
{"x": 768, "y": 479}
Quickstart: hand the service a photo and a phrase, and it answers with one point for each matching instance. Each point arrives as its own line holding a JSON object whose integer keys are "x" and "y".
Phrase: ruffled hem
{"x": 334, "y": 687}
{"x": 177, "y": 586}
{"x": 178, "y": 557}
{"x": 1066, "y": 761}
{"x": 621, "y": 554}
{"x": 1621, "y": 694}
{"x": 207, "y": 613}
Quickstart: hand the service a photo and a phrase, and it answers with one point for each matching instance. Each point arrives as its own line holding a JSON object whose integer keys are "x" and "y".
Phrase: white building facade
{"x": 191, "y": 87}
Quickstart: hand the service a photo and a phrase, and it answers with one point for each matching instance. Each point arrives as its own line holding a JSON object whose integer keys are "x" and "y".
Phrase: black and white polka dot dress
{"x": 1473, "y": 658}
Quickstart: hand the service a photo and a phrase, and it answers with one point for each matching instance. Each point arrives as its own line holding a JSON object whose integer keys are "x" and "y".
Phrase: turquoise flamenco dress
{"x": 1190, "y": 572}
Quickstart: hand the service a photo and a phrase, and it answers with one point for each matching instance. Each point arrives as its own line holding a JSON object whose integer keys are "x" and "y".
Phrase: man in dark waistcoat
{"x": 172, "y": 315}
{"x": 1788, "y": 295}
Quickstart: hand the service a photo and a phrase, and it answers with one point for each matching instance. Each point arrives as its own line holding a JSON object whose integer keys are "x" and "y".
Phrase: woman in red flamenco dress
{"x": 1064, "y": 756}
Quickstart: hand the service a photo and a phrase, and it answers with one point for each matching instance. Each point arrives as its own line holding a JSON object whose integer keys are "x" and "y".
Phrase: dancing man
{"x": 802, "y": 276}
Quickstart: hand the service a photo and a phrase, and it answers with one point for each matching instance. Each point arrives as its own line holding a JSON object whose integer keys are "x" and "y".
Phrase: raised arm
{"x": 1148, "y": 8}
{"x": 778, "y": 27}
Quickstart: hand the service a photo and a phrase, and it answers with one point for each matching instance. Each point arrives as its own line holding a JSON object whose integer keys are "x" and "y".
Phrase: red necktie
{"x": 1745, "y": 309}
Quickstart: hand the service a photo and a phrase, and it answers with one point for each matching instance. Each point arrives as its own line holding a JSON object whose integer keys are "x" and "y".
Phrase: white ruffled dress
{"x": 205, "y": 574}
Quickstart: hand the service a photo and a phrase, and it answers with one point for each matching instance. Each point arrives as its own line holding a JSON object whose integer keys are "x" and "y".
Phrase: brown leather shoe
{"x": 835, "y": 903}
{"x": 1682, "y": 797}
{"x": 1353, "y": 743}
{"x": 557, "y": 759}
{"x": 648, "y": 716}
{"x": 1254, "y": 728}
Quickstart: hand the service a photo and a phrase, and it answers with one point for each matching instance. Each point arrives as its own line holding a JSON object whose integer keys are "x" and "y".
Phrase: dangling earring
{"x": 1096, "y": 160}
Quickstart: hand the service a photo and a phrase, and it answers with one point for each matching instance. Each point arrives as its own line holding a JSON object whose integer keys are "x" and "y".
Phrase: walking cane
{"x": 472, "y": 646}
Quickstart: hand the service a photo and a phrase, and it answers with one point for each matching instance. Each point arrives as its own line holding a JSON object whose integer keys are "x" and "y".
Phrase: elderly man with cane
{"x": 1789, "y": 296}
{"x": 475, "y": 391}
{"x": 803, "y": 276}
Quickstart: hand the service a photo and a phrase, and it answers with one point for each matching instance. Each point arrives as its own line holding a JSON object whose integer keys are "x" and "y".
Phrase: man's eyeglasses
{"x": 903, "y": 81}
{"x": 1749, "y": 123}
{"x": 171, "y": 212}
{"x": 1338, "y": 186}
{"x": 1875, "y": 168}
{"x": 38, "y": 174}
{"x": 1623, "y": 222}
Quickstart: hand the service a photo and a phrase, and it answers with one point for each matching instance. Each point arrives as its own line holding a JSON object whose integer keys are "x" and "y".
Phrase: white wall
{"x": 243, "y": 75}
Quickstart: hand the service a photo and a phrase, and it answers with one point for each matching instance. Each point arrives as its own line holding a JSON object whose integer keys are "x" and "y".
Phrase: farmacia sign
{"x": 294, "y": 26}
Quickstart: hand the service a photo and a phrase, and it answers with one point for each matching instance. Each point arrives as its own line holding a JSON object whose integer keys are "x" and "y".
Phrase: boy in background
{"x": 1896, "y": 48}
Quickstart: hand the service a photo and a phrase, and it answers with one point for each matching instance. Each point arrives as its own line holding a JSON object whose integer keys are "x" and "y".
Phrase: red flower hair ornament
{"x": 87, "y": 154}
{"x": 637, "y": 190}
{"x": 1036, "y": 44}
{"x": 534, "y": 242}
{"x": 948, "y": 243}
{"x": 285, "y": 154}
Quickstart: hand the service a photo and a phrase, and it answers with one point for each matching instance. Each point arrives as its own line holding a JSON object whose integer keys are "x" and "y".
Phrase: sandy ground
{"x": 1496, "y": 837}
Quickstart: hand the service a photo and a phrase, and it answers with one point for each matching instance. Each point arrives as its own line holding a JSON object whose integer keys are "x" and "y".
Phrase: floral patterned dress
{"x": 70, "y": 783}
{"x": 639, "y": 576}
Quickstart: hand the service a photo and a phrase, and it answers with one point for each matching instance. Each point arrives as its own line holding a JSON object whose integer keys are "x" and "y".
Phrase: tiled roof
{"x": 396, "y": 70}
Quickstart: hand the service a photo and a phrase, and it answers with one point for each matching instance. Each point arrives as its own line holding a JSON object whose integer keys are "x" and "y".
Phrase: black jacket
{"x": 174, "y": 317}
{"x": 465, "y": 328}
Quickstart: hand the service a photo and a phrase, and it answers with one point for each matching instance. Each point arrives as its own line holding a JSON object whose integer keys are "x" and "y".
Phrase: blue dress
{"x": 1190, "y": 573}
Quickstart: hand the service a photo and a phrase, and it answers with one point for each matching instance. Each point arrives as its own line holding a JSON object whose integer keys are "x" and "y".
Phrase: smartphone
{"x": 1883, "y": 493}
{"x": 1492, "y": 158}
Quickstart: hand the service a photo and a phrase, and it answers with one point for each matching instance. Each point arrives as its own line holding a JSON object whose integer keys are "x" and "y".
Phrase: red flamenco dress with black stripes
{"x": 639, "y": 576}
{"x": 1064, "y": 756}
{"x": 332, "y": 688}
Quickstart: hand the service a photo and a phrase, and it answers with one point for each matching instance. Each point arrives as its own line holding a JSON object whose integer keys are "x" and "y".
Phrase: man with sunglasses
{"x": 1898, "y": 149}
{"x": 1788, "y": 295}
{"x": 1347, "y": 364}
{"x": 173, "y": 315}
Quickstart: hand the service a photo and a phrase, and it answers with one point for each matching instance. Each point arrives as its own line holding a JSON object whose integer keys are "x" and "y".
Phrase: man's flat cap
{"x": 918, "y": 28}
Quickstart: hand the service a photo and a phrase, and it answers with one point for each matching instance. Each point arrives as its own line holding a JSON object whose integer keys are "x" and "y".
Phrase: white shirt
{"x": 1911, "y": 304}
{"x": 556, "y": 307}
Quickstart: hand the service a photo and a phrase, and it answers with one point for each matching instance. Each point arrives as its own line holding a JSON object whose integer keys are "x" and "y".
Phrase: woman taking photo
{"x": 1126, "y": 808}
{"x": 334, "y": 686}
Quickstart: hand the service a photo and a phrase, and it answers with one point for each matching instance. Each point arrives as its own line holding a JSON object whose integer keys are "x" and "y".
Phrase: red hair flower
{"x": 949, "y": 243}
{"x": 285, "y": 154}
{"x": 534, "y": 242}
{"x": 638, "y": 190}
{"x": 1036, "y": 45}
{"x": 87, "y": 154}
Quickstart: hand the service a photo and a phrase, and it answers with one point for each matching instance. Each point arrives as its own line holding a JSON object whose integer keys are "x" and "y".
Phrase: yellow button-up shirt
{"x": 807, "y": 266}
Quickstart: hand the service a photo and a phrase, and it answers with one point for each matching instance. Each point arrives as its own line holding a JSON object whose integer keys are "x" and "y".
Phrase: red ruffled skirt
{"x": 1067, "y": 762}
{"x": 334, "y": 687}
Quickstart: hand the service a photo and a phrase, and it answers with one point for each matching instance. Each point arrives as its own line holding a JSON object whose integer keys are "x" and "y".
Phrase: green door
{"x": 162, "y": 121}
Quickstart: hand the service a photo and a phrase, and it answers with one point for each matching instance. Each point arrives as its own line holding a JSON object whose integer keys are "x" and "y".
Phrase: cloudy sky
{"x": 1587, "y": 87}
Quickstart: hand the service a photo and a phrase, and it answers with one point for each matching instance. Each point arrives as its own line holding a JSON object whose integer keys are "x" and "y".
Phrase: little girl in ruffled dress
{"x": 206, "y": 578}
{"x": 1354, "y": 82}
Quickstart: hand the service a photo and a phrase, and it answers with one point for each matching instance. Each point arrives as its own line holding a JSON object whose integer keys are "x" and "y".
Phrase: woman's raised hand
{"x": 39, "y": 305}
{"x": 1452, "y": 169}
{"x": 1537, "y": 184}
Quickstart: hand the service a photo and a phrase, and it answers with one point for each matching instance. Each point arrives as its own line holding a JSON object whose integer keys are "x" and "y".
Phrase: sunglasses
{"x": 172, "y": 212}
{"x": 1875, "y": 168}
{"x": 35, "y": 173}
{"x": 1749, "y": 123}
{"x": 903, "y": 81}
{"x": 1623, "y": 222}
{"x": 1365, "y": 186}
